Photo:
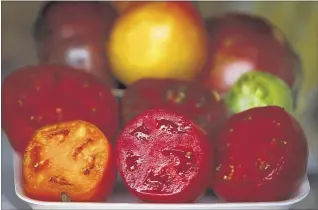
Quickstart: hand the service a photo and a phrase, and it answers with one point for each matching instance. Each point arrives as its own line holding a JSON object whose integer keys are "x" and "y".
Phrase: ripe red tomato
{"x": 261, "y": 156}
{"x": 75, "y": 34}
{"x": 35, "y": 96}
{"x": 164, "y": 157}
{"x": 242, "y": 43}
{"x": 71, "y": 157}
{"x": 187, "y": 98}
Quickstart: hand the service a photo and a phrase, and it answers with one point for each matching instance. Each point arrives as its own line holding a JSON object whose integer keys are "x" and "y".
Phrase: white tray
{"x": 121, "y": 199}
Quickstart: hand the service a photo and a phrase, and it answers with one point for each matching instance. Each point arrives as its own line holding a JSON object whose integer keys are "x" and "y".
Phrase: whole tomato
{"x": 240, "y": 43}
{"x": 165, "y": 39}
{"x": 34, "y": 96}
{"x": 72, "y": 157}
{"x": 187, "y": 98}
{"x": 164, "y": 157}
{"x": 75, "y": 33}
{"x": 261, "y": 155}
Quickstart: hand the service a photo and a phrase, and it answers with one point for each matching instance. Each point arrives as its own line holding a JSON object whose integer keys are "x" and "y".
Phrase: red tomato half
{"x": 163, "y": 157}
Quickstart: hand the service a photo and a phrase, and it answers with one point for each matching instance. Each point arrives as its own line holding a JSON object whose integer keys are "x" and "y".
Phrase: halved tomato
{"x": 163, "y": 157}
{"x": 72, "y": 157}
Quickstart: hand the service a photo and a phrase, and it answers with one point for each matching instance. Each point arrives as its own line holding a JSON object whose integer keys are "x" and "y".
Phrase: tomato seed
{"x": 61, "y": 132}
{"x": 91, "y": 165}
{"x": 132, "y": 162}
{"x": 80, "y": 148}
{"x": 40, "y": 165}
{"x": 141, "y": 133}
{"x": 59, "y": 180}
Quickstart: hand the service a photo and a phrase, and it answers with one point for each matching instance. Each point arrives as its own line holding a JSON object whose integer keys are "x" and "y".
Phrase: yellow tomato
{"x": 158, "y": 40}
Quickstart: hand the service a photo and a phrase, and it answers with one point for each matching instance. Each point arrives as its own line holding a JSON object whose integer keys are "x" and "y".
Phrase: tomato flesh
{"x": 164, "y": 157}
{"x": 72, "y": 157}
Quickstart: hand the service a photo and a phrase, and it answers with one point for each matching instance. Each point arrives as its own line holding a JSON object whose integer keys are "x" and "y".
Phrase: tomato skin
{"x": 261, "y": 156}
{"x": 34, "y": 96}
{"x": 101, "y": 178}
{"x": 240, "y": 43}
{"x": 187, "y": 98}
{"x": 150, "y": 157}
{"x": 134, "y": 54}
{"x": 74, "y": 34}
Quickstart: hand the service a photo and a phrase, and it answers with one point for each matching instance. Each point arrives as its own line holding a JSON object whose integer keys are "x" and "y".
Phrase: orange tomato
{"x": 71, "y": 157}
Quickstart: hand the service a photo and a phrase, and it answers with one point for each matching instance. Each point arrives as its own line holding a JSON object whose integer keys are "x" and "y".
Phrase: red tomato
{"x": 187, "y": 98}
{"x": 35, "y": 96}
{"x": 242, "y": 43}
{"x": 75, "y": 33}
{"x": 261, "y": 156}
{"x": 71, "y": 157}
{"x": 164, "y": 157}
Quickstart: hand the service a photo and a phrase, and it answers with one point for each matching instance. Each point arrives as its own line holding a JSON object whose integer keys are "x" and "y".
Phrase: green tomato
{"x": 257, "y": 89}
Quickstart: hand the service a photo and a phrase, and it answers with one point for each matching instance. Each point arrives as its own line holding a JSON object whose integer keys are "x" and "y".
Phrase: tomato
{"x": 71, "y": 157}
{"x": 154, "y": 39}
{"x": 34, "y": 96}
{"x": 240, "y": 43}
{"x": 187, "y": 98}
{"x": 75, "y": 34}
{"x": 164, "y": 157}
{"x": 261, "y": 156}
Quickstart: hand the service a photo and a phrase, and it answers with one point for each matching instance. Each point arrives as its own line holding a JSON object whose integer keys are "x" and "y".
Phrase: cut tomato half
{"x": 72, "y": 157}
{"x": 163, "y": 157}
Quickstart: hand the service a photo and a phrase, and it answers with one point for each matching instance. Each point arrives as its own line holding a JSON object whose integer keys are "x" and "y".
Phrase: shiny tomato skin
{"x": 75, "y": 33}
{"x": 164, "y": 158}
{"x": 261, "y": 156}
{"x": 240, "y": 43}
{"x": 54, "y": 163}
{"x": 191, "y": 99}
{"x": 34, "y": 96}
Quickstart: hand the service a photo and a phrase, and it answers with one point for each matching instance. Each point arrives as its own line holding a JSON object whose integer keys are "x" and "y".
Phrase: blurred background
{"x": 298, "y": 20}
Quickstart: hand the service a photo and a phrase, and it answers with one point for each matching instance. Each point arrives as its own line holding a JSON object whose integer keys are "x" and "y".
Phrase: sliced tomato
{"x": 163, "y": 157}
{"x": 72, "y": 157}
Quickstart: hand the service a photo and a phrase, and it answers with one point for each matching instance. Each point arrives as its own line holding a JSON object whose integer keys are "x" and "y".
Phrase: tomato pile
{"x": 169, "y": 136}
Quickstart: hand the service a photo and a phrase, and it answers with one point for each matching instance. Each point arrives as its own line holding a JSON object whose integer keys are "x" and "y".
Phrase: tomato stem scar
{"x": 65, "y": 197}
